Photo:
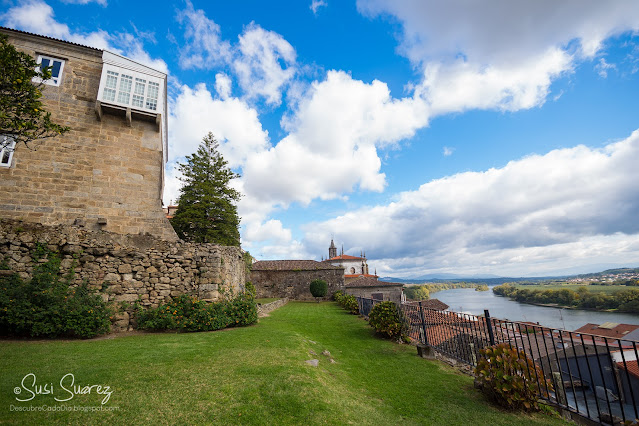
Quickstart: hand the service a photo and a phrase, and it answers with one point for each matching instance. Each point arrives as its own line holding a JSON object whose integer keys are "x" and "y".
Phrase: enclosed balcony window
{"x": 130, "y": 89}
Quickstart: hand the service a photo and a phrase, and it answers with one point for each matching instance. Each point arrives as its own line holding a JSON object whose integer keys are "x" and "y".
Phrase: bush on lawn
{"x": 47, "y": 306}
{"x": 318, "y": 288}
{"x": 346, "y": 301}
{"x": 509, "y": 378}
{"x": 386, "y": 320}
{"x": 187, "y": 313}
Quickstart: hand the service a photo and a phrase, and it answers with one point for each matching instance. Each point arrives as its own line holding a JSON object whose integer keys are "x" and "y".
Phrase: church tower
{"x": 332, "y": 250}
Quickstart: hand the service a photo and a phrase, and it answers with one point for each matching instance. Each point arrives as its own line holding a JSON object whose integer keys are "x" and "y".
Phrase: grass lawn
{"x": 252, "y": 375}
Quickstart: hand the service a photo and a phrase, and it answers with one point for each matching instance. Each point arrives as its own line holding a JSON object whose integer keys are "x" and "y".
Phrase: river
{"x": 474, "y": 302}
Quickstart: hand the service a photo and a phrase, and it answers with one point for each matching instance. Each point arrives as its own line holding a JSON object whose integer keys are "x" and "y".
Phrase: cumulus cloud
{"x": 37, "y": 17}
{"x": 570, "y": 206}
{"x": 100, "y": 2}
{"x": 265, "y": 64}
{"x": 331, "y": 147}
{"x": 204, "y": 46}
{"x": 505, "y": 53}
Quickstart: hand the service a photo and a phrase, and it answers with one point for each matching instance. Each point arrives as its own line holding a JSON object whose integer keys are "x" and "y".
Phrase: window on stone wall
{"x": 57, "y": 65}
{"x": 377, "y": 296}
{"x": 7, "y": 146}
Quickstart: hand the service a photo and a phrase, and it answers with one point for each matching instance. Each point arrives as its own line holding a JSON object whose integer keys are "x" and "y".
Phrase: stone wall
{"x": 392, "y": 293}
{"x": 294, "y": 284}
{"x": 127, "y": 268}
{"x": 103, "y": 174}
{"x": 265, "y": 309}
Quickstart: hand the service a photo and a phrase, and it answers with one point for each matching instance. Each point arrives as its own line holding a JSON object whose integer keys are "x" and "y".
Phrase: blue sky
{"x": 491, "y": 137}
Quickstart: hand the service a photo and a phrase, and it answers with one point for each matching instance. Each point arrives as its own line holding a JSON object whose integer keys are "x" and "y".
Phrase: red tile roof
{"x": 430, "y": 304}
{"x": 291, "y": 265}
{"x": 631, "y": 366}
{"x": 344, "y": 257}
{"x": 617, "y": 332}
{"x": 359, "y": 275}
{"x": 370, "y": 281}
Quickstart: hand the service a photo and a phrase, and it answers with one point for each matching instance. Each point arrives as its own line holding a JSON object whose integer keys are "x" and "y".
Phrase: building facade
{"x": 107, "y": 172}
{"x": 292, "y": 278}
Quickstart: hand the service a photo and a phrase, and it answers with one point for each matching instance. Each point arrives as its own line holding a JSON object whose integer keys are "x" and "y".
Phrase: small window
{"x": 7, "y": 146}
{"x": 377, "y": 296}
{"x": 57, "y": 65}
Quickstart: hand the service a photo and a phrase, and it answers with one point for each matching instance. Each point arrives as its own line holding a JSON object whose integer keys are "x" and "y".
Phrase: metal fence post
{"x": 489, "y": 325}
{"x": 421, "y": 314}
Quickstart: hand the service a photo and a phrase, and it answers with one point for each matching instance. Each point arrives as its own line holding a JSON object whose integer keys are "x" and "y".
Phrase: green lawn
{"x": 252, "y": 375}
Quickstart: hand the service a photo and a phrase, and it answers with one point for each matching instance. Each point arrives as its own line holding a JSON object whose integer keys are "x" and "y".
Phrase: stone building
{"x": 292, "y": 278}
{"x": 371, "y": 288}
{"x": 107, "y": 172}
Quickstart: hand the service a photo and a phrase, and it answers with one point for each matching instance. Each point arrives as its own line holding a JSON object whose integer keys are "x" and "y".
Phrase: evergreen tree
{"x": 206, "y": 211}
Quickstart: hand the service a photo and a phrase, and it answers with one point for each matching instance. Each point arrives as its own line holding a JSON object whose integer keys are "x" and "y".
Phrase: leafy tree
{"x": 22, "y": 114}
{"x": 206, "y": 211}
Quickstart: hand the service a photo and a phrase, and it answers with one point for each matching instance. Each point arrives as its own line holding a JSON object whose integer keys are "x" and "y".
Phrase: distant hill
{"x": 616, "y": 271}
{"x": 496, "y": 280}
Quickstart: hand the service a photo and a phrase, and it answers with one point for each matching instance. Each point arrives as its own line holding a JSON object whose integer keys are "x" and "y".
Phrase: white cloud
{"x": 222, "y": 85}
{"x": 603, "y": 67}
{"x": 447, "y": 151}
{"x": 505, "y": 54}
{"x": 100, "y": 2}
{"x": 235, "y": 124}
{"x": 570, "y": 206}
{"x": 332, "y": 143}
{"x": 266, "y": 63}
{"x": 204, "y": 46}
{"x": 37, "y": 17}
{"x": 316, "y": 4}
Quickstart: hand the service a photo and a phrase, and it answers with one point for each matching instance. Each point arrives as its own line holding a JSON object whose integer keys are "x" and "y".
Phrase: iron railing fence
{"x": 595, "y": 377}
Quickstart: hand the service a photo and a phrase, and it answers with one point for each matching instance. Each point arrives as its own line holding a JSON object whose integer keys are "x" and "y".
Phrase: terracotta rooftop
{"x": 631, "y": 366}
{"x": 344, "y": 257}
{"x": 360, "y": 275}
{"x": 431, "y": 304}
{"x": 370, "y": 281}
{"x": 616, "y": 331}
{"x": 291, "y": 265}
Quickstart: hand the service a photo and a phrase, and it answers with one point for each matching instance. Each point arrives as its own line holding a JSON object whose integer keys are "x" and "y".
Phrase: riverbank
{"x": 474, "y": 302}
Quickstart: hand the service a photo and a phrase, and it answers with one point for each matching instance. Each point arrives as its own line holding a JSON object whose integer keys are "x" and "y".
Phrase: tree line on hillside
{"x": 423, "y": 291}
{"x": 582, "y": 298}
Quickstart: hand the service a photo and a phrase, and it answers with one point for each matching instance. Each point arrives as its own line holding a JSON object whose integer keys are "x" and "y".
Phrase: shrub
{"x": 346, "y": 301}
{"x": 510, "y": 379}
{"x": 46, "y": 305}
{"x": 386, "y": 320}
{"x": 187, "y": 313}
{"x": 241, "y": 311}
{"x": 319, "y": 288}
{"x": 250, "y": 288}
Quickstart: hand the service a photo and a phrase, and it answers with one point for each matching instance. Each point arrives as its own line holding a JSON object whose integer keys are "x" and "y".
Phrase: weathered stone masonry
{"x": 104, "y": 173}
{"x": 127, "y": 268}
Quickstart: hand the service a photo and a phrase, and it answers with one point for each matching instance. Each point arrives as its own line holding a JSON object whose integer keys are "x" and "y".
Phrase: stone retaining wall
{"x": 265, "y": 309}
{"x": 127, "y": 268}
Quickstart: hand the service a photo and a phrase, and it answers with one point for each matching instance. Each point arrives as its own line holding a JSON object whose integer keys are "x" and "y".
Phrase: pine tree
{"x": 207, "y": 212}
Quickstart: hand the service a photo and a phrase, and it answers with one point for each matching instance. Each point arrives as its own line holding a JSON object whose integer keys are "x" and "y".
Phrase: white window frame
{"x": 7, "y": 146}
{"x": 53, "y": 81}
{"x": 136, "y": 76}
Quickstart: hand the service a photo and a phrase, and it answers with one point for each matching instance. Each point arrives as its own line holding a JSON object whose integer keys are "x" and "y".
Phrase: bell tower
{"x": 332, "y": 250}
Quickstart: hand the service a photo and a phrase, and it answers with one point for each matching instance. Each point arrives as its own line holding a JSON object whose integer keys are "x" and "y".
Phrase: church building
{"x": 354, "y": 267}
